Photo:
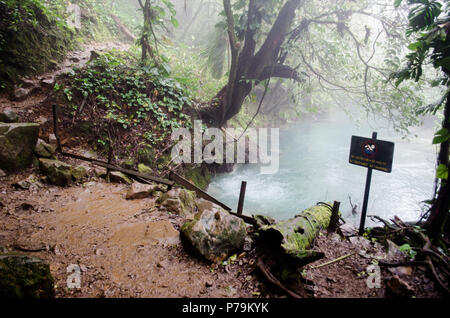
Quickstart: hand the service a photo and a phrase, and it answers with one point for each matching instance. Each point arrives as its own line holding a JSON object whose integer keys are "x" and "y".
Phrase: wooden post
{"x": 55, "y": 128}
{"x": 110, "y": 156}
{"x": 241, "y": 198}
{"x": 334, "y": 216}
{"x": 366, "y": 195}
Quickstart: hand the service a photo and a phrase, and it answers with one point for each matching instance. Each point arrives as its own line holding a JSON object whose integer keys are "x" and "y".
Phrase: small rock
{"x": 9, "y": 116}
{"x": 44, "y": 150}
{"x": 26, "y": 184}
{"x": 21, "y": 94}
{"x": 100, "y": 172}
{"x": 58, "y": 173}
{"x": 335, "y": 237}
{"x": 347, "y": 230}
{"x": 52, "y": 140}
{"x": 140, "y": 191}
{"x": 179, "y": 201}
{"x": 2, "y": 173}
{"x": 248, "y": 244}
{"x": 119, "y": 177}
{"x": 74, "y": 59}
{"x": 79, "y": 174}
{"x": 47, "y": 82}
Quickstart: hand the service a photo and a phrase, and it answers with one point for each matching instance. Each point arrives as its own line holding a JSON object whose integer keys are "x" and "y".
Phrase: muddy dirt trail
{"x": 34, "y": 90}
{"x": 124, "y": 248}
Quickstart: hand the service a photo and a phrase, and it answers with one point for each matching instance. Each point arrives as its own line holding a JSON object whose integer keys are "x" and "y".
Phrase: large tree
{"x": 248, "y": 65}
{"x": 429, "y": 23}
{"x": 325, "y": 43}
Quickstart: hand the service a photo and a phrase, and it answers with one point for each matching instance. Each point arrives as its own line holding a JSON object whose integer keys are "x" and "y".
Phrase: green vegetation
{"x": 32, "y": 39}
{"x": 429, "y": 24}
{"x": 128, "y": 103}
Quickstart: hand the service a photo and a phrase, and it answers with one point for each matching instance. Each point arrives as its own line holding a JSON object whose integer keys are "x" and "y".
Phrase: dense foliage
{"x": 128, "y": 103}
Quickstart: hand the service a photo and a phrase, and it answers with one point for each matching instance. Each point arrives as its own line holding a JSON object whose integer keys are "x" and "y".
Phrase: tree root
{"x": 427, "y": 254}
{"x": 272, "y": 279}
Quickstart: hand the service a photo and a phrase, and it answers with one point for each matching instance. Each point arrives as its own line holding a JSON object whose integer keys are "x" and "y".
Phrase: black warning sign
{"x": 372, "y": 153}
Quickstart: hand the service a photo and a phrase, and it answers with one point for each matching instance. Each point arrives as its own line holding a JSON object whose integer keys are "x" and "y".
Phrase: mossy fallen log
{"x": 294, "y": 237}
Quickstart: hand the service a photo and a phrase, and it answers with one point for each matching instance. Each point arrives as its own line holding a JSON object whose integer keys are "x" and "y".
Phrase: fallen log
{"x": 294, "y": 237}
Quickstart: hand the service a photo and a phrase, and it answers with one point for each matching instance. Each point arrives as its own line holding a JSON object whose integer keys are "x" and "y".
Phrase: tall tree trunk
{"x": 147, "y": 30}
{"x": 440, "y": 208}
{"x": 249, "y": 68}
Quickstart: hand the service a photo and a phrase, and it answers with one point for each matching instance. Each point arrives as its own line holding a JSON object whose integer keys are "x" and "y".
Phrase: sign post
{"x": 372, "y": 154}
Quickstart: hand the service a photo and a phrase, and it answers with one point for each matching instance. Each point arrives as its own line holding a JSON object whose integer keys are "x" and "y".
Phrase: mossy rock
{"x": 142, "y": 168}
{"x": 57, "y": 172}
{"x": 200, "y": 176}
{"x": 79, "y": 174}
{"x": 179, "y": 201}
{"x": 44, "y": 150}
{"x": 17, "y": 143}
{"x": 25, "y": 277}
{"x": 214, "y": 233}
{"x": 9, "y": 116}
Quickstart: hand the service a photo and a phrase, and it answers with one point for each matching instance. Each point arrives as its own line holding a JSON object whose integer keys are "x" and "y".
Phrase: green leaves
{"x": 424, "y": 14}
{"x": 442, "y": 172}
{"x": 441, "y": 136}
{"x": 406, "y": 248}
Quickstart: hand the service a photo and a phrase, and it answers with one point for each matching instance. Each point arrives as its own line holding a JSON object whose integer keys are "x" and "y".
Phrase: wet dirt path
{"x": 123, "y": 248}
{"x": 38, "y": 86}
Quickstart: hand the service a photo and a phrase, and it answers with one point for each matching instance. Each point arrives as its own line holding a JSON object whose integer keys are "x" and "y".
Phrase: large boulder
{"x": 17, "y": 143}
{"x": 179, "y": 201}
{"x": 214, "y": 232}
{"x": 57, "y": 172}
{"x": 24, "y": 277}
